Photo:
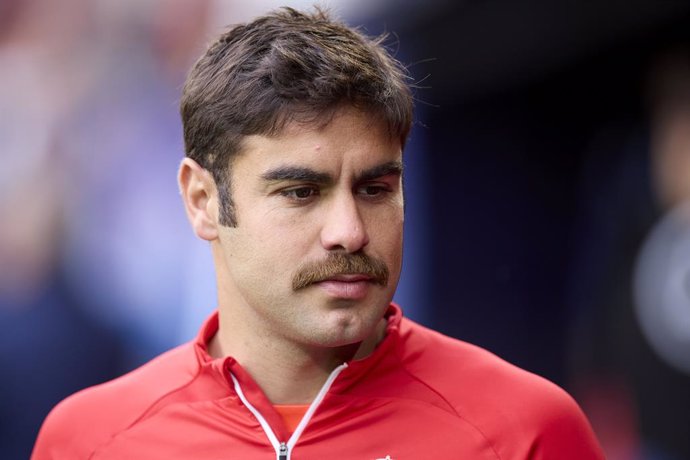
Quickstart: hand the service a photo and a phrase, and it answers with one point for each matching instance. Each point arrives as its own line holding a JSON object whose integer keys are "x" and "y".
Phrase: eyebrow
{"x": 302, "y": 174}
{"x": 385, "y": 169}
{"x": 297, "y": 174}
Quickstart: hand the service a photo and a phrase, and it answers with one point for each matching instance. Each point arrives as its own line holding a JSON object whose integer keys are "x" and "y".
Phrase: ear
{"x": 200, "y": 197}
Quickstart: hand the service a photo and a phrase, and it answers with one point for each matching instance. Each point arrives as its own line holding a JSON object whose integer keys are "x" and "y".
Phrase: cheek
{"x": 387, "y": 228}
{"x": 386, "y": 242}
{"x": 279, "y": 246}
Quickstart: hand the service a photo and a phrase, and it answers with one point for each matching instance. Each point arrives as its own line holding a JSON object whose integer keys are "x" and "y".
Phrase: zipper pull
{"x": 283, "y": 454}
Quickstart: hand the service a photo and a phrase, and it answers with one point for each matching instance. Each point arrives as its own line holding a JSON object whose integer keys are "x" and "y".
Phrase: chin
{"x": 346, "y": 327}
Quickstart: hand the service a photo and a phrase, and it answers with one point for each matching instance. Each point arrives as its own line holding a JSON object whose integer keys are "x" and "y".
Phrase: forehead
{"x": 349, "y": 139}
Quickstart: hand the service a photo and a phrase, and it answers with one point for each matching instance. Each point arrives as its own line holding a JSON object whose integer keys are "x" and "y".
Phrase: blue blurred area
{"x": 530, "y": 187}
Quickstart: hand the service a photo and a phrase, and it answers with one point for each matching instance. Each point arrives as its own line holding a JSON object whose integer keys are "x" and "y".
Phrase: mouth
{"x": 346, "y": 286}
{"x": 348, "y": 277}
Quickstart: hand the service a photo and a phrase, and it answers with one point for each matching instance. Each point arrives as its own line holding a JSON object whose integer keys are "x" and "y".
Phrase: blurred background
{"x": 548, "y": 182}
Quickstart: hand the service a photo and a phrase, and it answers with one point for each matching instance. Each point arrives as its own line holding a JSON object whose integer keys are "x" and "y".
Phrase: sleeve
{"x": 54, "y": 438}
{"x": 75, "y": 428}
{"x": 563, "y": 432}
{"x": 58, "y": 437}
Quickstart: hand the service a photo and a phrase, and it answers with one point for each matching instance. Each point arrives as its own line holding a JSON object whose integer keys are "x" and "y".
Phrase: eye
{"x": 373, "y": 191}
{"x": 301, "y": 193}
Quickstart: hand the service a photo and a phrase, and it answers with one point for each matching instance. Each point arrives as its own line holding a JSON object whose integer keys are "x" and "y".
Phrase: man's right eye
{"x": 300, "y": 193}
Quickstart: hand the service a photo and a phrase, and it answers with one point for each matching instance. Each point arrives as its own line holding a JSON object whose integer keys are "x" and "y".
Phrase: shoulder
{"x": 90, "y": 418}
{"x": 517, "y": 411}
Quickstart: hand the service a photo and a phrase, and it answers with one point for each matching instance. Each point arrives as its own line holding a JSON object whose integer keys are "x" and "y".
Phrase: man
{"x": 294, "y": 128}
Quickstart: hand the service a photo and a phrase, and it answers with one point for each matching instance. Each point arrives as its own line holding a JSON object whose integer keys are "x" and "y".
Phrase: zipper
{"x": 284, "y": 449}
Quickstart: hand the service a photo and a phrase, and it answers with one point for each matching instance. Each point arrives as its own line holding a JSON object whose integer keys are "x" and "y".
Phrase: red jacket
{"x": 420, "y": 395}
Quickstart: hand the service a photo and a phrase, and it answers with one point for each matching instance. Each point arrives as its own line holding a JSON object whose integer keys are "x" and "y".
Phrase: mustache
{"x": 341, "y": 264}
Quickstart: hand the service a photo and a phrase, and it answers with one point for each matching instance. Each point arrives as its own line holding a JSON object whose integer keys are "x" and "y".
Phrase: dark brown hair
{"x": 284, "y": 67}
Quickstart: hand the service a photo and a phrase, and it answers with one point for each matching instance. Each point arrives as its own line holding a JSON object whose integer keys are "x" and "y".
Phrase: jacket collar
{"x": 222, "y": 370}
{"x": 356, "y": 368}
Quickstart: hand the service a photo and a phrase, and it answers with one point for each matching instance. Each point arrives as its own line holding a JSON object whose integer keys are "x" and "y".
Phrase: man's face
{"x": 316, "y": 253}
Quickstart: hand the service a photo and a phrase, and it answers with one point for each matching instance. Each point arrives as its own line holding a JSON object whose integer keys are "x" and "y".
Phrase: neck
{"x": 288, "y": 373}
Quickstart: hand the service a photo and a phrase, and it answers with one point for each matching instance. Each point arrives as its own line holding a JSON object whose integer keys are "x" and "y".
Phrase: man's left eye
{"x": 371, "y": 190}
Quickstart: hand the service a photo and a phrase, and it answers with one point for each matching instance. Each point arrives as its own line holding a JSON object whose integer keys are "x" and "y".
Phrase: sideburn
{"x": 226, "y": 206}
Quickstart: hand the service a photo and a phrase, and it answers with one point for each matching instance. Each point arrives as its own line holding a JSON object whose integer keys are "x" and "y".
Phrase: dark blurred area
{"x": 558, "y": 137}
{"x": 560, "y": 141}
{"x": 547, "y": 220}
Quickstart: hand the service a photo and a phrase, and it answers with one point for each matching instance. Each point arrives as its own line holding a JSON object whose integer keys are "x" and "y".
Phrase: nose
{"x": 344, "y": 228}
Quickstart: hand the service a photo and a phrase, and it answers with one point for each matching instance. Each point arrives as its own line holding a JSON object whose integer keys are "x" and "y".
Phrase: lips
{"x": 348, "y": 277}
{"x": 346, "y": 286}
